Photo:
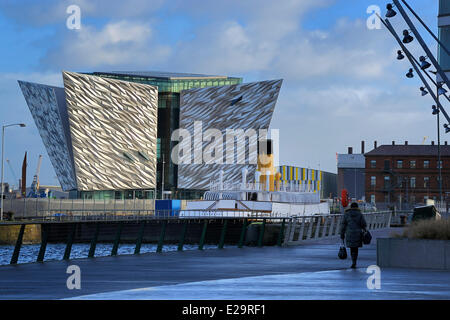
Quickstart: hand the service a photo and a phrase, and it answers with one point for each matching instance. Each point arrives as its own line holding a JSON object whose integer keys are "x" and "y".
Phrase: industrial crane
{"x": 13, "y": 174}
{"x": 34, "y": 192}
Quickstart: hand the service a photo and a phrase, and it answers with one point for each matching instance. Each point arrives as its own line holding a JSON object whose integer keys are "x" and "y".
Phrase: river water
{"x": 55, "y": 251}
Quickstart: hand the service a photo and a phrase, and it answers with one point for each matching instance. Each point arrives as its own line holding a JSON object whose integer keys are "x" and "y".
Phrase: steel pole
{"x": 388, "y": 25}
{"x": 162, "y": 178}
{"x": 1, "y": 199}
{"x": 439, "y": 154}
{"x": 423, "y": 45}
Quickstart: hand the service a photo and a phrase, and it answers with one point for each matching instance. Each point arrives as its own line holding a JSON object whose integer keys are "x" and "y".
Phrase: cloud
{"x": 45, "y": 12}
{"x": 121, "y": 43}
{"x": 341, "y": 84}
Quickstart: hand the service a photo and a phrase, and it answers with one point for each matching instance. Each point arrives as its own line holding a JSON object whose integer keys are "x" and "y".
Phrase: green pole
{"x": 137, "y": 249}
{"x": 222, "y": 235}
{"x": 243, "y": 231}
{"x": 161, "y": 236}
{"x": 281, "y": 234}
{"x": 183, "y": 235}
{"x": 261, "y": 234}
{"x": 94, "y": 241}
{"x": 117, "y": 240}
{"x": 202, "y": 238}
{"x": 44, "y": 234}
{"x": 15, "y": 256}
{"x": 70, "y": 242}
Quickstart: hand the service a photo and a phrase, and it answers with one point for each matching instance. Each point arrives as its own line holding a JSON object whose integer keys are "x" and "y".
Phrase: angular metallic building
{"x": 237, "y": 107}
{"x": 109, "y": 134}
{"x": 48, "y": 108}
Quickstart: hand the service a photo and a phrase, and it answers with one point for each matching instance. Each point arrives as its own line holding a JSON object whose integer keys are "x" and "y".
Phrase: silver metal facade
{"x": 244, "y": 106}
{"x": 113, "y": 128}
{"x": 46, "y": 106}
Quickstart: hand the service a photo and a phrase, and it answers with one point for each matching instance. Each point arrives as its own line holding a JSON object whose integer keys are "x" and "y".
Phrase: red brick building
{"x": 406, "y": 174}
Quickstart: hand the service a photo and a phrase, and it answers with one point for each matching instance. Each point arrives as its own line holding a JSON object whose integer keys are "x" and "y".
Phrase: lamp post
{"x": 3, "y": 148}
{"x": 439, "y": 152}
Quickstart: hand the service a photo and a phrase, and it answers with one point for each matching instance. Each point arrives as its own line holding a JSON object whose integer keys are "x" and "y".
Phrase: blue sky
{"x": 342, "y": 83}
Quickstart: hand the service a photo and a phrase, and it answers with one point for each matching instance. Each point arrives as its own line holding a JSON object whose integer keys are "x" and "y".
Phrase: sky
{"x": 341, "y": 80}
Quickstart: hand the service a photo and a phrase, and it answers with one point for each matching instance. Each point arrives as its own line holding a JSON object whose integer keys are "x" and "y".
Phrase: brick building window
{"x": 373, "y": 163}
{"x": 439, "y": 164}
{"x": 413, "y": 199}
{"x": 426, "y": 182}
{"x": 426, "y": 164}
{"x": 400, "y": 182}
{"x": 373, "y": 181}
{"x": 413, "y": 182}
{"x": 372, "y": 198}
{"x": 399, "y": 164}
{"x": 387, "y": 181}
{"x": 412, "y": 164}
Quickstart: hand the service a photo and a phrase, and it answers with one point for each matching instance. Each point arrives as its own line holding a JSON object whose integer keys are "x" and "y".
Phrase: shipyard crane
{"x": 34, "y": 192}
{"x": 13, "y": 173}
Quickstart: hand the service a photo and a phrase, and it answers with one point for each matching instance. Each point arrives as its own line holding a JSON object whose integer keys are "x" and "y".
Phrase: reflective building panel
{"x": 243, "y": 106}
{"x": 48, "y": 108}
{"x": 113, "y": 126}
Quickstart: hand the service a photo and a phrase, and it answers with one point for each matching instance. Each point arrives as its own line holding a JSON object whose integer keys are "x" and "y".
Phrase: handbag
{"x": 342, "y": 252}
{"x": 366, "y": 237}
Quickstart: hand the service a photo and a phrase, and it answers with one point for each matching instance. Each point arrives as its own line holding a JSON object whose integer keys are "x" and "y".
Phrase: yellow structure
{"x": 305, "y": 176}
{"x": 267, "y": 170}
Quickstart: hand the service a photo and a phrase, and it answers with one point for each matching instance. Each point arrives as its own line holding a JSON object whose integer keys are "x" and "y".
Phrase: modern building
{"x": 111, "y": 134}
{"x": 351, "y": 173}
{"x": 320, "y": 181}
{"x": 406, "y": 175}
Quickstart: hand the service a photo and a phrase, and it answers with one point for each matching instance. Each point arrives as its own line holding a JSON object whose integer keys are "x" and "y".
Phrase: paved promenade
{"x": 310, "y": 271}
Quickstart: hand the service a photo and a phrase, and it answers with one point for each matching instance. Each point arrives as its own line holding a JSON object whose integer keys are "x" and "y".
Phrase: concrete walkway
{"x": 310, "y": 271}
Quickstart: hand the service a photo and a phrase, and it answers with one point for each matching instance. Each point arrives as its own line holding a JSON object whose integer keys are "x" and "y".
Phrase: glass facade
{"x": 168, "y": 120}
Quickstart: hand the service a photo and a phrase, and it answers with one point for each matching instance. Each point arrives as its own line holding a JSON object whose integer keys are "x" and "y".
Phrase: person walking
{"x": 352, "y": 226}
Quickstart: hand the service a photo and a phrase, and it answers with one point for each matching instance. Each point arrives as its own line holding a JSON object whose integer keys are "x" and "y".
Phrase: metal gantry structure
{"x": 422, "y": 65}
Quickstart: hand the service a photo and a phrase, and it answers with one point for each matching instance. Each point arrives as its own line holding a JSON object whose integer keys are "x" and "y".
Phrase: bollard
{"x": 41, "y": 254}
{"x": 15, "y": 256}
{"x": 202, "y": 238}
{"x": 69, "y": 242}
{"x": 91, "y": 253}
{"x": 161, "y": 236}
{"x": 281, "y": 233}
{"x": 137, "y": 249}
{"x": 183, "y": 234}
{"x": 222, "y": 235}
{"x": 117, "y": 240}
{"x": 243, "y": 231}
{"x": 261, "y": 234}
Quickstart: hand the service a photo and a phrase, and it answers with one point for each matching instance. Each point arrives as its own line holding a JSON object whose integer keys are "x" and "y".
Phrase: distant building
{"x": 324, "y": 182}
{"x": 405, "y": 175}
{"x": 350, "y": 173}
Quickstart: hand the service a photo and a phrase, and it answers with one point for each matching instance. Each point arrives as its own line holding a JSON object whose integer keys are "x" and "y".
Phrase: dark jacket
{"x": 351, "y": 227}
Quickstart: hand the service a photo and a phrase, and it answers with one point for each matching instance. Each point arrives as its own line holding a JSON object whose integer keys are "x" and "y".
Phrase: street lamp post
{"x": 439, "y": 153}
{"x": 3, "y": 148}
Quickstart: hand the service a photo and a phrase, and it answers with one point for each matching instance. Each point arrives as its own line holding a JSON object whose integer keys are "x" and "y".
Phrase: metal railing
{"x": 49, "y": 216}
{"x": 43, "y": 207}
{"x": 304, "y": 228}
